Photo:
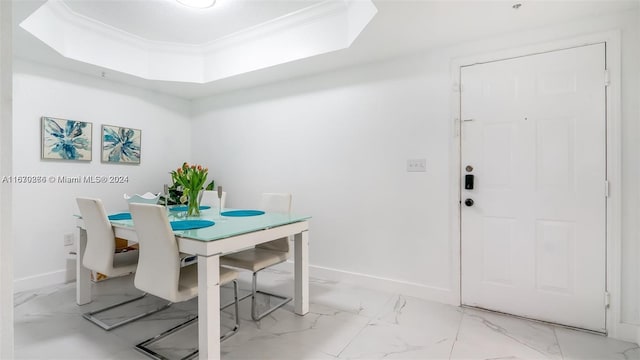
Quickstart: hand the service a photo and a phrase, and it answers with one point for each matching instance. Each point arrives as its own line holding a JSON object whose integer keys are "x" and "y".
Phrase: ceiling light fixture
{"x": 198, "y": 4}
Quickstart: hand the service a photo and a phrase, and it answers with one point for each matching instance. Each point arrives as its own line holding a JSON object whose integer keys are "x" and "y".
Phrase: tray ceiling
{"x": 148, "y": 40}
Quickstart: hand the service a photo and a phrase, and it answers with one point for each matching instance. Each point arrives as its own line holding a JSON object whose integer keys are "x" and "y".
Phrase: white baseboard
{"x": 442, "y": 295}
{"x": 363, "y": 280}
{"x": 56, "y": 277}
{"x": 40, "y": 281}
{"x": 626, "y": 332}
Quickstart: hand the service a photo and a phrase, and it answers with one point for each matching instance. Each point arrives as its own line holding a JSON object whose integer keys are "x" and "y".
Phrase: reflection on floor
{"x": 345, "y": 322}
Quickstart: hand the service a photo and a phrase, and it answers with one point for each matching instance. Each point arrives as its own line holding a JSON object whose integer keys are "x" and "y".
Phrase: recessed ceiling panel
{"x": 312, "y": 28}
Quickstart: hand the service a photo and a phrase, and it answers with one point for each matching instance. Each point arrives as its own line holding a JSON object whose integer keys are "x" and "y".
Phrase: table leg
{"x": 301, "y": 262}
{"x": 209, "y": 307}
{"x": 83, "y": 275}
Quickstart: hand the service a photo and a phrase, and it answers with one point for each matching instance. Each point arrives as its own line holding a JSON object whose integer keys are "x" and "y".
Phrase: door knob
{"x": 468, "y": 202}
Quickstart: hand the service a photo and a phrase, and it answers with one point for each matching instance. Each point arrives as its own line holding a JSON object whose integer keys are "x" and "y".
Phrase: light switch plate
{"x": 417, "y": 165}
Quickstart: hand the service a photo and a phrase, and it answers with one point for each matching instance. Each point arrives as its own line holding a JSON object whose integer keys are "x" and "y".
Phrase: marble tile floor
{"x": 345, "y": 322}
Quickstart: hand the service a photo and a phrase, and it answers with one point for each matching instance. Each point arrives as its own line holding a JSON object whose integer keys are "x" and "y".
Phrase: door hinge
{"x": 606, "y": 188}
{"x": 607, "y": 299}
{"x": 607, "y": 80}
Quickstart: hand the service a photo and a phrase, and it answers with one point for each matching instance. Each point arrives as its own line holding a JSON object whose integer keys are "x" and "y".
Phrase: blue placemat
{"x": 121, "y": 216}
{"x": 190, "y": 224}
{"x": 184, "y": 208}
{"x": 238, "y": 213}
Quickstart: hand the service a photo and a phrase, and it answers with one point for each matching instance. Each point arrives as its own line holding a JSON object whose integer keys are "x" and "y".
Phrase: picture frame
{"x": 120, "y": 145}
{"x": 65, "y": 139}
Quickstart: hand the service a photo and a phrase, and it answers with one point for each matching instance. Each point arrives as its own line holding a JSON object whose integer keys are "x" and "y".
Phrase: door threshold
{"x": 536, "y": 320}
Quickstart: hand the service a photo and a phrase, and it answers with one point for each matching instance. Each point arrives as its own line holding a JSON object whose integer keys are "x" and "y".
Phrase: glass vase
{"x": 193, "y": 205}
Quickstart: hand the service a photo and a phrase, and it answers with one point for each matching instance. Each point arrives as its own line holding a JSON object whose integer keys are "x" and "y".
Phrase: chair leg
{"x": 254, "y": 307}
{"x": 237, "y": 315}
{"x": 143, "y": 346}
{"x": 91, "y": 315}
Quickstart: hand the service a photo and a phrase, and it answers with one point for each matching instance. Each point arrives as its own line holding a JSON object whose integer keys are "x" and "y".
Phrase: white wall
{"x": 630, "y": 169}
{"x": 6, "y": 259}
{"x": 339, "y": 141}
{"x": 43, "y": 213}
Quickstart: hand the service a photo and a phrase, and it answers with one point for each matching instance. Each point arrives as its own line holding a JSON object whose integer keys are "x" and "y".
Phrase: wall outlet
{"x": 417, "y": 165}
{"x": 68, "y": 239}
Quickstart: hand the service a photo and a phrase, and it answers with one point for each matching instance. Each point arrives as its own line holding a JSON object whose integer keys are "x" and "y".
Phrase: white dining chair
{"x": 210, "y": 198}
{"x": 100, "y": 256}
{"x": 161, "y": 274}
{"x": 264, "y": 255}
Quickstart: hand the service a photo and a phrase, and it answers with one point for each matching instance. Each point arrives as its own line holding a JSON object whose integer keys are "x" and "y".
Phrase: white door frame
{"x": 614, "y": 325}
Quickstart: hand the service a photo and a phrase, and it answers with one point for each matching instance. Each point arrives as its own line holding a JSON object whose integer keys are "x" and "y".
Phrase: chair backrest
{"x": 159, "y": 262}
{"x": 101, "y": 245}
{"x": 276, "y": 202}
{"x": 210, "y": 197}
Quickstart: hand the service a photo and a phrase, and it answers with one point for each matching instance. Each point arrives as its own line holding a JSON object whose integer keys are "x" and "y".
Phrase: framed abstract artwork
{"x": 64, "y": 139}
{"x": 120, "y": 145}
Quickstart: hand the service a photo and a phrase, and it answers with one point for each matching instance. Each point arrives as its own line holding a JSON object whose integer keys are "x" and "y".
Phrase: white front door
{"x": 534, "y": 138}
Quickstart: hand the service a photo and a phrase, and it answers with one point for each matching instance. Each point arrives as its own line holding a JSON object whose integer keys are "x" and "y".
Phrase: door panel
{"x": 554, "y": 153}
{"x": 497, "y": 233}
{"x": 533, "y": 243}
{"x": 555, "y": 249}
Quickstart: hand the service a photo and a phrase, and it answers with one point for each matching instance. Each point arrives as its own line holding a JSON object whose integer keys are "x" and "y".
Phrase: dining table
{"x": 231, "y": 232}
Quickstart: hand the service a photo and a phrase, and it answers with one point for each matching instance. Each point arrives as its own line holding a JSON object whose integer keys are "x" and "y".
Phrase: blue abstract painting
{"x": 120, "y": 145}
{"x": 66, "y": 139}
